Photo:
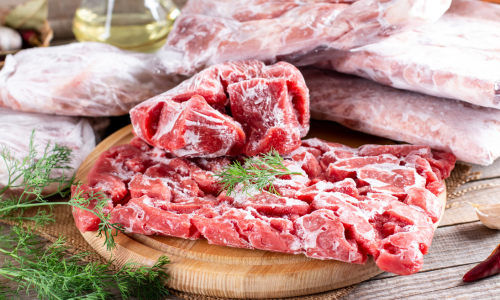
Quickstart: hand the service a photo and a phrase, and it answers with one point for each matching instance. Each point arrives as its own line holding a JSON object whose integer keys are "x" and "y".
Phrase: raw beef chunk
{"x": 344, "y": 204}
{"x": 269, "y": 107}
{"x": 323, "y": 236}
{"x": 193, "y": 127}
{"x": 264, "y": 110}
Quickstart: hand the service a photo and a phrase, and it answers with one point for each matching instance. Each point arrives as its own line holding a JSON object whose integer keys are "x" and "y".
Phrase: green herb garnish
{"x": 256, "y": 174}
{"x": 48, "y": 270}
{"x": 53, "y": 274}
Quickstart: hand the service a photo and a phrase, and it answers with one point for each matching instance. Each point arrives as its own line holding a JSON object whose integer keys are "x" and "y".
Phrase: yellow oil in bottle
{"x": 125, "y": 24}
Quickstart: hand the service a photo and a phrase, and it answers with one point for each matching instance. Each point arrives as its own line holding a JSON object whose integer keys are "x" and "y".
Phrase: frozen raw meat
{"x": 457, "y": 57}
{"x": 16, "y": 129}
{"x": 381, "y": 205}
{"x": 269, "y": 107}
{"x": 470, "y": 132}
{"x": 81, "y": 79}
{"x": 300, "y": 32}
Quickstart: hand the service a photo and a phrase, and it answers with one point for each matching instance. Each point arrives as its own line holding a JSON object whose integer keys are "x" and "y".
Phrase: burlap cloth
{"x": 65, "y": 226}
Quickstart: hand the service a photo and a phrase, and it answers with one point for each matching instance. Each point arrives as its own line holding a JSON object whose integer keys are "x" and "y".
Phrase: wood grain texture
{"x": 461, "y": 212}
{"x": 200, "y": 268}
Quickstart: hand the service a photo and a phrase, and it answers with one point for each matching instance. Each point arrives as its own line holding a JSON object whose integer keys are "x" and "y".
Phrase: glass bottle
{"x": 137, "y": 25}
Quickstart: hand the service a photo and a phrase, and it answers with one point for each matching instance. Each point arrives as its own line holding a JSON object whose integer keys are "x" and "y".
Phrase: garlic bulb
{"x": 9, "y": 39}
{"x": 489, "y": 215}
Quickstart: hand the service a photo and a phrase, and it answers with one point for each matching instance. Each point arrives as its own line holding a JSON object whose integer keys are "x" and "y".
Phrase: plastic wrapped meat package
{"x": 300, "y": 32}
{"x": 470, "y": 132}
{"x": 456, "y": 57}
{"x": 16, "y": 129}
{"x": 81, "y": 79}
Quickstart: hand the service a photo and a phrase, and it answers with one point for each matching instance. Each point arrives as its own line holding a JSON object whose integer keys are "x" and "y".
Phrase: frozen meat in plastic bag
{"x": 16, "y": 129}
{"x": 81, "y": 79}
{"x": 471, "y": 133}
{"x": 456, "y": 57}
{"x": 300, "y": 32}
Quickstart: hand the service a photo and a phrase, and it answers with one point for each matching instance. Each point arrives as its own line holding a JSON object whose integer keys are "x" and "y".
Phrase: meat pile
{"x": 346, "y": 204}
{"x": 470, "y": 132}
{"x": 456, "y": 57}
{"x": 228, "y": 109}
{"x": 343, "y": 204}
{"x": 299, "y": 32}
{"x": 81, "y": 79}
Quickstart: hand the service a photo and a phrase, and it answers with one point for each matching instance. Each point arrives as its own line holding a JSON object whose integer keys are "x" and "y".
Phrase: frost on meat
{"x": 79, "y": 79}
{"x": 470, "y": 132}
{"x": 378, "y": 202}
{"x": 269, "y": 107}
{"x": 457, "y": 57}
{"x": 300, "y": 32}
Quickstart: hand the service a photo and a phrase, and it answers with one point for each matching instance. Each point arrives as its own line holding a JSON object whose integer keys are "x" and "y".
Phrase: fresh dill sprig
{"x": 47, "y": 270}
{"x": 257, "y": 173}
{"x": 31, "y": 175}
{"x": 107, "y": 229}
{"x": 53, "y": 274}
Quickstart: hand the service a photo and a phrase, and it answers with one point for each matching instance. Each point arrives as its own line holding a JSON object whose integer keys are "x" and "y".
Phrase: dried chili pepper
{"x": 488, "y": 267}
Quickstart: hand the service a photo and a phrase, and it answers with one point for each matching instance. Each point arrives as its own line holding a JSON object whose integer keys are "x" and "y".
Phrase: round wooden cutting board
{"x": 200, "y": 268}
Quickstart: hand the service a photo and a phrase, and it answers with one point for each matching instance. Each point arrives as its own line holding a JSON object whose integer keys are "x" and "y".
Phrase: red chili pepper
{"x": 488, "y": 267}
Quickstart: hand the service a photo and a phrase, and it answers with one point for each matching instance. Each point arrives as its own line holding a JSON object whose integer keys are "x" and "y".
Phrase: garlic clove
{"x": 489, "y": 215}
{"x": 9, "y": 39}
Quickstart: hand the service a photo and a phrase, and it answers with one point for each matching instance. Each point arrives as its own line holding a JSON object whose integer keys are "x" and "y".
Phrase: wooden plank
{"x": 458, "y": 245}
{"x": 491, "y": 171}
{"x": 436, "y": 284}
{"x": 460, "y": 212}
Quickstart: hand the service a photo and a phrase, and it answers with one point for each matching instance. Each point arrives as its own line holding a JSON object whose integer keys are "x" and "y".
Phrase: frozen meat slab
{"x": 384, "y": 205}
{"x": 228, "y": 109}
{"x": 80, "y": 79}
{"x": 470, "y": 132}
{"x": 300, "y": 32}
{"x": 457, "y": 57}
{"x": 16, "y": 129}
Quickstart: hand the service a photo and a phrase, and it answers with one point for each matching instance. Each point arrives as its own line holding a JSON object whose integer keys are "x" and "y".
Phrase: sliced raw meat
{"x": 347, "y": 168}
{"x": 407, "y": 236}
{"x": 307, "y": 158}
{"x": 270, "y": 106}
{"x": 346, "y": 186}
{"x": 353, "y": 220}
{"x": 264, "y": 110}
{"x": 323, "y": 237}
{"x": 153, "y": 188}
{"x": 426, "y": 200}
{"x": 80, "y": 79}
{"x": 140, "y": 215}
{"x": 156, "y": 193}
{"x": 469, "y": 132}
{"x": 268, "y": 204}
{"x": 300, "y": 32}
{"x": 193, "y": 127}
{"x": 456, "y": 57}
{"x": 391, "y": 181}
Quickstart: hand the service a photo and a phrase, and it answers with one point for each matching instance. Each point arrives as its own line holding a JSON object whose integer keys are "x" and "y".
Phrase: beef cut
{"x": 80, "y": 79}
{"x": 470, "y": 132}
{"x": 300, "y": 32}
{"x": 347, "y": 203}
{"x": 228, "y": 109}
{"x": 457, "y": 57}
